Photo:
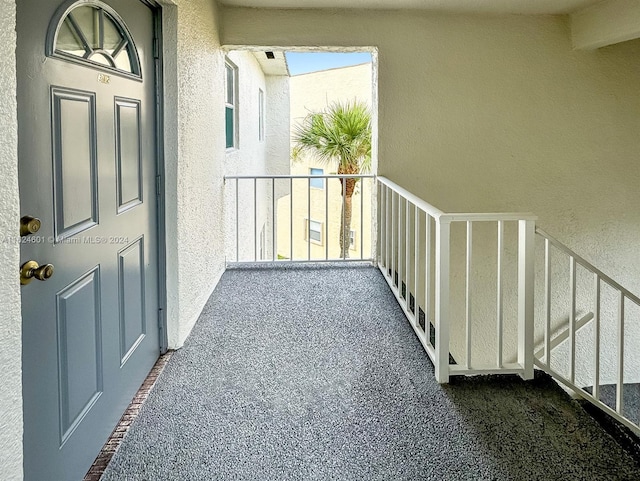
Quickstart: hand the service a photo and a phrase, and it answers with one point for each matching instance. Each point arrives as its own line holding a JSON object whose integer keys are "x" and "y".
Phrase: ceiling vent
{"x": 270, "y": 55}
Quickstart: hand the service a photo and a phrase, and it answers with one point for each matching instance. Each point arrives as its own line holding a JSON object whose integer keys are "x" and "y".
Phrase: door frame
{"x": 158, "y": 47}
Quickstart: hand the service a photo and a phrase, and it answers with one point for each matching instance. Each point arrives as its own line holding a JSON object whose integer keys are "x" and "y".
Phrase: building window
{"x": 260, "y": 114}
{"x": 317, "y": 183}
{"x": 231, "y": 104}
{"x": 352, "y": 240}
{"x": 97, "y": 36}
{"x": 313, "y": 231}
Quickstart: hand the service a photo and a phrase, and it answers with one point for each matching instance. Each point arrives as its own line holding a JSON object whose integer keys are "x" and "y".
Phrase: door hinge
{"x": 161, "y": 318}
{"x": 158, "y": 185}
{"x": 156, "y": 48}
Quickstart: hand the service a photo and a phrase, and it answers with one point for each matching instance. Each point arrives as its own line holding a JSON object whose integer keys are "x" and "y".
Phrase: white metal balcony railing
{"x": 428, "y": 259}
{"x": 576, "y": 342}
{"x": 298, "y": 218}
{"x": 416, "y": 258}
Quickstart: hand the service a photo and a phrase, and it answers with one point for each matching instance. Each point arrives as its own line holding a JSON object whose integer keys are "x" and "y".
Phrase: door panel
{"x": 87, "y": 167}
{"x": 74, "y": 161}
{"x": 129, "y": 160}
{"x": 131, "y": 298}
{"x": 80, "y": 362}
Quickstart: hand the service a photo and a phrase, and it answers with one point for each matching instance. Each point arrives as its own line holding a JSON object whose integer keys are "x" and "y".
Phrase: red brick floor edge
{"x": 118, "y": 434}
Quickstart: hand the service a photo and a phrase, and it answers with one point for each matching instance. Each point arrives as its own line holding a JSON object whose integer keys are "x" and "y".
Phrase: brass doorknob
{"x": 31, "y": 270}
{"x": 29, "y": 225}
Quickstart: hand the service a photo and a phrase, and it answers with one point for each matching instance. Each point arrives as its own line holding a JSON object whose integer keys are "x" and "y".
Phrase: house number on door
{"x": 102, "y": 78}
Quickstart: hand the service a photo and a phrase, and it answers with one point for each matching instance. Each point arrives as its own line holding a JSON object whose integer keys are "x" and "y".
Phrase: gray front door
{"x": 87, "y": 168}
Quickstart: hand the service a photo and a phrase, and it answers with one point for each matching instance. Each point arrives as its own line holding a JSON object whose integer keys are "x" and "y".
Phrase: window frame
{"x": 352, "y": 239}
{"x": 321, "y": 181}
{"x": 307, "y": 231}
{"x": 55, "y": 25}
{"x": 229, "y": 66}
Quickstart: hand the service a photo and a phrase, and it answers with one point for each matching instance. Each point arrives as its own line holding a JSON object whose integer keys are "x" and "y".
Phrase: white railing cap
{"x": 302, "y": 176}
{"x": 454, "y": 217}
{"x": 487, "y": 217}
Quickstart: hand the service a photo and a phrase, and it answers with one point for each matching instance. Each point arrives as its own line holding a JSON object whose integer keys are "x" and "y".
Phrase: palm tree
{"x": 341, "y": 133}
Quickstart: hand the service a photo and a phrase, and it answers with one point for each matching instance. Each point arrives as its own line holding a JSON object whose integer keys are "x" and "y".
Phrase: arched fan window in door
{"x": 93, "y": 33}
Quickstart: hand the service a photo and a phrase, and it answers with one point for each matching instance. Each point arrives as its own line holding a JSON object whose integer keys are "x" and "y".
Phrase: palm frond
{"x": 341, "y": 133}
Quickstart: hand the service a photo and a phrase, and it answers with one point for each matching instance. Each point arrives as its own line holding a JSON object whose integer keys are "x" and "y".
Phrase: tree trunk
{"x": 345, "y": 227}
{"x": 348, "y": 187}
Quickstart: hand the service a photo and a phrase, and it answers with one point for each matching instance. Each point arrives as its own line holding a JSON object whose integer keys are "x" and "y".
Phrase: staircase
{"x": 491, "y": 293}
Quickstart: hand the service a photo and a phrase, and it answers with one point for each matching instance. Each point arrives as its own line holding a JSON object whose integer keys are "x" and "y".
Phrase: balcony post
{"x": 443, "y": 235}
{"x": 526, "y": 237}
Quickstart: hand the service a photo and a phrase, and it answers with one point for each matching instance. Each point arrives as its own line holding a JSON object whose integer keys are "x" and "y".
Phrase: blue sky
{"x": 300, "y": 62}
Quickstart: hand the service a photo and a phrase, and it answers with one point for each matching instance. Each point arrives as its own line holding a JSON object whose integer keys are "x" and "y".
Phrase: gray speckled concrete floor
{"x": 314, "y": 374}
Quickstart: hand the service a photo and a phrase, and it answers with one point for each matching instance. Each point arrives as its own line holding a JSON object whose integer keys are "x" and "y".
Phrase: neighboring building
{"x": 257, "y": 143}
{"x": 318, "y": 237}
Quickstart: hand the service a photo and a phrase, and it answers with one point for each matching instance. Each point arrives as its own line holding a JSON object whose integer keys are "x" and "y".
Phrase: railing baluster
{"x": 407, "y": 259}
{"x": 291, "y": 220}
{"x": 237, "y": 225}
{"x": 380, "y": 224}
{"x": 345, "y": 239}
{"x": 443, "y": 234}
{"x": 416, "y": 260}
{"x": 427, "y": 275}
{"x": 273, "y": 220}
{"x": 255, "y": 220}
{"x": 526, "y": 285}
{"x": 596, "y": 336}
{"x": 547, "y": 302}
{"x": 393, "y": 238}
{"x": 309, "y": 219}
{"x": 377, "y": 252}
{"x": 620, "y": 381}
{"x": 499, "y": 287}
{"x": 387, "y": 237}
{"x": 326, "y": 219}
{"x": 399, "y": 264}
{"x": 362, "y": 217}
{"x": 572, "y": 320}
{"x": 468, "y": 291}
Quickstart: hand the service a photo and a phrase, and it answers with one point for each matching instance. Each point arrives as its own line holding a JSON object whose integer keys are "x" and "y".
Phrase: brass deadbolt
{"x": 31, "y": 270}
{"x": 29, "y": 225}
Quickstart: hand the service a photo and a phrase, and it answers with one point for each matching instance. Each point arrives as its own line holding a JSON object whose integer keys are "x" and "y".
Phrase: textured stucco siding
{"x": 10, "y": 318}
{"x": 277, "y": 124}
{"x": 248, "y": 158}
{"x": 255, "y": 156}
{"x": 495, "y": 113}
{"x": 194, "y": 159}
{"x": 278, "y": 148}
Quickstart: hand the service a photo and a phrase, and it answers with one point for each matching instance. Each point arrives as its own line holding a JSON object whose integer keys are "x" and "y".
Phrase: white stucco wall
{"x": 194, "y": 151}
{"x": 249, "y": 155}
{"x": 605, "y": 23}
{"x": 248, "y": 158}
{"x": 10, "y": 318}
{"x": 277, "y": 124}
{"x": 278, "y": 148}
{"x": 494, "y": 113}
{"x": 254, "y": 156}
